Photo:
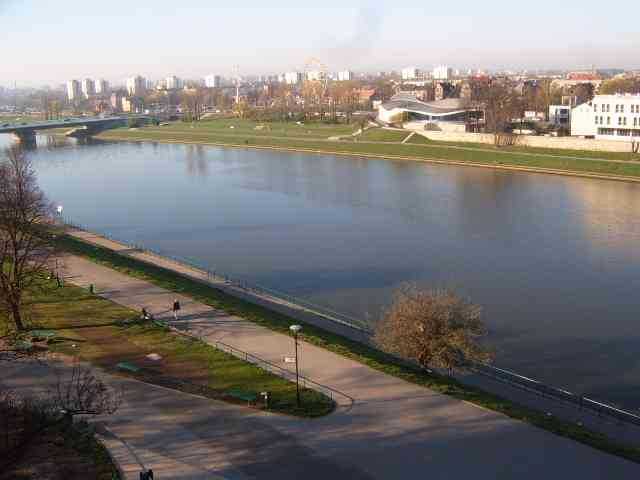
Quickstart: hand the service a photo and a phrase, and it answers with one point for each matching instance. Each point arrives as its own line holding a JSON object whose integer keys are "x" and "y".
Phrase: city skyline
{"x": 198, "y": 39}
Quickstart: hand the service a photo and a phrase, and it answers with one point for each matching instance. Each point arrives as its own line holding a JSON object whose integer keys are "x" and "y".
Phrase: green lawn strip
{"x": 342, "y": 346}
{"x": 71, "y": 311}
{"x": 239, "y": 126}
{"x": 418, "y": 139}
{"x": 228, "y": 373}
{"x": 429, "y": 151}
{"x": 561, "y": 152}
{"x": 383, "y": 135}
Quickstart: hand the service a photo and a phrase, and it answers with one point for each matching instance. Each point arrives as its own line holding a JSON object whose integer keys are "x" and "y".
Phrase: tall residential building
{"x": 212, "y": 81}
{"x": 116, "y": 101}
{"x": 102, "y": 87}
{"x": 316, "y": 76}
{"x": 345, "y": 76}
{"x": 442, "y": 72}
{"x": 136, "y": 86}
{"x": 410, "y": 73}
{"x": 74, "y": 91}
{"x": 88, "y": 88}
{"x": 293, "y": 78}
{"x": 173, "y": 83}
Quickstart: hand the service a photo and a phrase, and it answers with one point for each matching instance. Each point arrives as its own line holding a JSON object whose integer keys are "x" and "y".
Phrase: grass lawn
{"x": 383, "y": 135}
{"x": 233, "y": 126}
{"x": 19, "y": 118}
{"x": 97, "y": 327}
{"x": 419, "y": 140}
{"x": 314, "y": 137}
{"x": 590, "y": 154}
{"x": 343, "y": 346}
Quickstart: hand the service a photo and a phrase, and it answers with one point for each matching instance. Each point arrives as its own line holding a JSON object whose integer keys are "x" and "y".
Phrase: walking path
{"x": 394, "y": 429}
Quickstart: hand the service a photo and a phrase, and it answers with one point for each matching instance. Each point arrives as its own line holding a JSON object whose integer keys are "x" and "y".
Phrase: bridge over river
{"x": 85, "y": 126}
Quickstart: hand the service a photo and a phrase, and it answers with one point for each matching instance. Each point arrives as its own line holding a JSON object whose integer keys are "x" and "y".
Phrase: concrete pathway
{"x": 394, "y": 430}
{"x": 183, "y": 436}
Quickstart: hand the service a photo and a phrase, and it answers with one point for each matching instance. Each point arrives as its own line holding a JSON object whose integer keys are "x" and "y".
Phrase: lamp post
{"x": 295, "y": 329}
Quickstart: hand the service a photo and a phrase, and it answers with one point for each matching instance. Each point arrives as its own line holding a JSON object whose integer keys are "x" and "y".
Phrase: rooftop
{"x": 438, "y": 107}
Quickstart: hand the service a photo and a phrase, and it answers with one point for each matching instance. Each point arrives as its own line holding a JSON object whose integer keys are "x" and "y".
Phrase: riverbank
{"x": 363, "y": 354}
{"x": 609, "y": 166}
{"x": 108, "y": 335}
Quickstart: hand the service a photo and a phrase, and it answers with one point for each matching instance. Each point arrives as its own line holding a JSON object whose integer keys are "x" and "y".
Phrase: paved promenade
{"x": 393, "y": 430}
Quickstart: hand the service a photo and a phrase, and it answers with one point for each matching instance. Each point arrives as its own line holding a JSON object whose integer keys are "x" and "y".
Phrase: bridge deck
{"x": 71, "y": 122}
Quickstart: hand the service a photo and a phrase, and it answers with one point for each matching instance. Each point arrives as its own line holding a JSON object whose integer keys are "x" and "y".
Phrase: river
{"x": 553, "y": 260}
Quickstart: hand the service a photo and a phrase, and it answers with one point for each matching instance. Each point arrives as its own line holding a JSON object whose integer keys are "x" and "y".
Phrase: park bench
{"x": 129, "y": 367}
{"x": 249, "y": 397}
{"x": 160, "y": 323}
{"x": 24, "y": 346}
{"x": 38, "y": 335}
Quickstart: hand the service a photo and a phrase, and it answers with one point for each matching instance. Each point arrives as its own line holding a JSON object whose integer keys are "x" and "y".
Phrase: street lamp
{"x": 295, "y": 329}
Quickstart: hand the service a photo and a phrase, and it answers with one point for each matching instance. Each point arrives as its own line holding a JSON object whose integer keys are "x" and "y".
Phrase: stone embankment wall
{"x": 569, "y": 143}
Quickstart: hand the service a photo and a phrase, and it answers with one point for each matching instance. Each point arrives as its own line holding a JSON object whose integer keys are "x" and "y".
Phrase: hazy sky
{"x": 50, "y": 41}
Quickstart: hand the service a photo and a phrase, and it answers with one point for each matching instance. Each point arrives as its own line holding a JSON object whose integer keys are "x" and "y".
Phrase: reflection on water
{"x": 553, "y": 260}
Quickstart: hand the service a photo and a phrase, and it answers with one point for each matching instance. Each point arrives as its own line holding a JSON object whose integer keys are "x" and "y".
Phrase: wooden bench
{"x": 160, "y": 323}
{"x": 42, "y": 334}
{"x": 248, "y": 397}
{"x": 24, "y": 346}
{"x": 129, "y": 367}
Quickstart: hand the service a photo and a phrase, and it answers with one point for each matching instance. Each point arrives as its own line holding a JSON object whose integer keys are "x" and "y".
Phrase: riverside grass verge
{"x": 608, "y": 164}
{"x": 105, "y": 334}
{"x": 359, "y": 352}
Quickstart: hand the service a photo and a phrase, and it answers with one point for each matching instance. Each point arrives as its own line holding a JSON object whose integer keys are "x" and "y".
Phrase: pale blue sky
{"x": 49, "y": 41}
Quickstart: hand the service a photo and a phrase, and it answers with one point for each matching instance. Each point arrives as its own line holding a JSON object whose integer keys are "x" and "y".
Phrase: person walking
{"x": 176, "y": 309}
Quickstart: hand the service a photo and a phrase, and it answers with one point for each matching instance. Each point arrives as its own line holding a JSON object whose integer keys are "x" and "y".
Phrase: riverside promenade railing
{"x": 305, "y": 382}
{"x": 558, "y": 394}
{"x": 214, "y": 275}
{"x": 489, "y": 371}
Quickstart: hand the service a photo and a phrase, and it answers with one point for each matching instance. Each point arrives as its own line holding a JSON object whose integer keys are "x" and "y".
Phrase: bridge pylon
{"x": 26, "y": 137}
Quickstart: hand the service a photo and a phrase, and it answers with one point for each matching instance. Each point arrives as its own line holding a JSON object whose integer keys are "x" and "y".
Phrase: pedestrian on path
{"x": 176, "y": 309}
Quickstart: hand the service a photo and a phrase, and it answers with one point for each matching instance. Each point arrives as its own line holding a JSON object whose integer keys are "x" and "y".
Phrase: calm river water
{"x": 554, "y": 261}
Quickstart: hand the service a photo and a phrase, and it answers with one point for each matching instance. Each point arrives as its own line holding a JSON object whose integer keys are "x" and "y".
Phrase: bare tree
{"x": 22, "y": 419}
{"x": 502, "y": 104}
{"x": 192, "y": 102}
{"x": 435, "y": 328}
{"x": 83, "y": 393}
{"x": 25, "y": 249}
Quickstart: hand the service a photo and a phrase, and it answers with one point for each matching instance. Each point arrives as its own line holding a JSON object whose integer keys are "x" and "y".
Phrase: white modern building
{"x": 136, "y": 85}
{"x": 608, "y": 117}
{"x": 88, "y": 88}
{"x": 450, "y": 114}
{"x": 212, "y": 81}
{"x": 293, "y": 78}
{"x": 173, "y": 83}
{"x": 410, "y": 73}
{"x": 442, "y": 72}
{"x": 74, "y": 90}
{"x": 345, "y": 76}
{"x": 102, "y": 87}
